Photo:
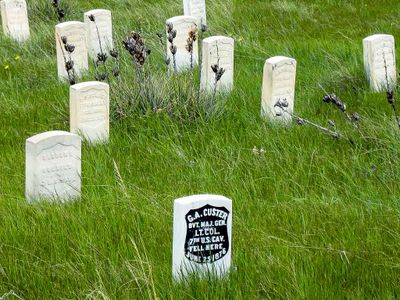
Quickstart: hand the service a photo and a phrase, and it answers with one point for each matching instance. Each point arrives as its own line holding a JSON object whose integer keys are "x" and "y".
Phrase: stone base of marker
{"x": 90, "y": 111}
{"x": 53, "y": 167}
{"x": 202, "y": 241}
{"x": 278, "y": 85}
{"x": 14, "y": 16}
{"x": 380, "y": 61}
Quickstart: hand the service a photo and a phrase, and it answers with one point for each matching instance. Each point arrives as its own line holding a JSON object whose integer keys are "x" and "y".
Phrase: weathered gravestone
{"x": 202, "y": 236}
{"x": 278, "y": 85}
{"x": 99, "y": 32}
{"x": 217, "y": 50}
{"x": 14, "y": 16}
{"x": 183, "y": 59}
{"x": 380, "y": 61}
{"x": 89, "y": 110}
{"x": 53, "y": 167}
{"x": 196, "y": 8}
{"x": 75, "y": 32}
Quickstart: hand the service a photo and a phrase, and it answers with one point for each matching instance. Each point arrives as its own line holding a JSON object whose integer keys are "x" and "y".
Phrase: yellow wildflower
{"x": 6, "y": 67}
{"x": 17, "y": 58}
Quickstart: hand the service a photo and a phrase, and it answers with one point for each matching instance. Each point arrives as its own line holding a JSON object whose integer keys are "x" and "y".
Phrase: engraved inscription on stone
{"x": 197, "y": 9}
{"x": 202, "y": 236}
{"x": 14, "y": 15}
{"x": 75, "y": 32}
{"x": 207, "y": 238}
{"x": 89, "y": 110}
{"x": 380, "y": 61}
{"x": 278, "y": 85}
{"x": 53, "y": 166}
{"x": 99, "y": 32}
{"x": 217, "y": 50}
{"x": 57, "y": 169}
{"x": 183, "y": 25}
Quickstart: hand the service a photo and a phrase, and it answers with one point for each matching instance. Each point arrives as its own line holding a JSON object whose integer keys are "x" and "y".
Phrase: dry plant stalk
{"x": 218, "y": 73}
{"x": 69, "y": 63}
{"x": 202, "y": 31}
{"x": 283, "y": 105}
{"x": 101, "y": 57}
{"x": 192, "y": 38}
{"x": 390, "y": 93}
{"x": 59, "y": 11}
{"x": 335, "y": 100}
{"x": 171, "y": 37}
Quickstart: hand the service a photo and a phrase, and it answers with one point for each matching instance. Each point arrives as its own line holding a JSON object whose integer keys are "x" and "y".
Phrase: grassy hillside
{"x": 314, "y": 217}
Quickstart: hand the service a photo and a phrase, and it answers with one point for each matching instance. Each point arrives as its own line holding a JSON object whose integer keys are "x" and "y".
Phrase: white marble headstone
{"x": 75, "y": 32}
{"x": 183, "y": 25}
{"x": 279, "y": 83}
{"x": 103, "y": 20}
{"x": 217, "y": 50}
{"x": 14, "y": 16}
{"x": 196, "y": 8}
{"x": 202, "y": 240}
{"x": 380, "y": 61}
{"x": 53, "y": 167}
{"x": 89, "y": 110}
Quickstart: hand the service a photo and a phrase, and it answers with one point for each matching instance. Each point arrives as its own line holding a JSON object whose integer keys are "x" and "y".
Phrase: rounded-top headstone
{"x": 279, "y": 83}
{"x": 217, "y": 50}
{"x": 53, "y": 166}
{"x": 202, "y": 241}
{"x": 380, "y": 61}
{"x": 196, "y": 8}
{"x": 183, "y": 59}
{"x": 99, "y": 32}
{"x": 76, "y": 34}
{"x": 89, "y": 110}
{"x": 14, "y": 16}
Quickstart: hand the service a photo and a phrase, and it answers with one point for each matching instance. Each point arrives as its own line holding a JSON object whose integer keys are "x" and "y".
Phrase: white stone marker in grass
{"x": 99, "y": 30}
{"x": 89, "y": 110}
{"x": 14, "y": 16}
{"x": 278, "y": 85}
{"x": 196, "y": 8}
{"x": 202, "y": 241}
{"x": 53, "y": 167}
{"x": 217, "y": 50}
{"x": 183, "y": 25}
{"x": 75, "y": 32}
{"x": 380, "y": 61}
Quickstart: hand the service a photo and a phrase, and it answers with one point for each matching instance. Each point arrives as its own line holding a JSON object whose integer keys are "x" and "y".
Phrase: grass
{"x": 314, "y": 217}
